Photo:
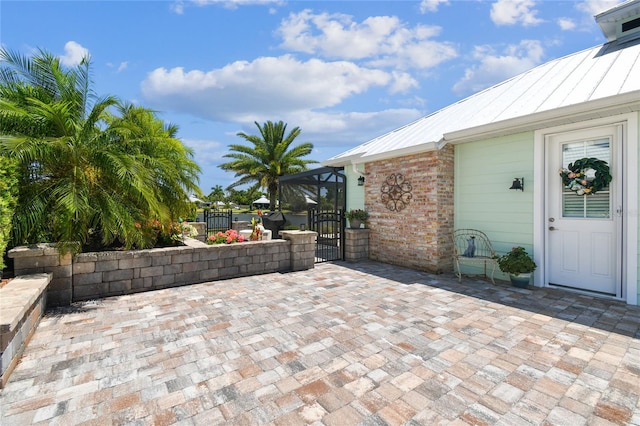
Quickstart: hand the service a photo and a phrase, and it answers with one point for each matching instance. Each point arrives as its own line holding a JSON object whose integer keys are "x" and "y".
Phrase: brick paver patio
{"x": 341, "y": 344}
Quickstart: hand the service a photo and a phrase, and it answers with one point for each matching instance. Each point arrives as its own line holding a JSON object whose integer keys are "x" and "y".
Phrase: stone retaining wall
{"x": 40, "y": 258}
{"x": 102, "y": 274}
{"x": 22, "y": 303}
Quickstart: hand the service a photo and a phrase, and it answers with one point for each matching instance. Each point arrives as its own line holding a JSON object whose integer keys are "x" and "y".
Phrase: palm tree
{"x": 217, "y": 193}
{"x": 82, "y": 168}
{"x": 157, "y": 162}
{"x": 270, "y": 157}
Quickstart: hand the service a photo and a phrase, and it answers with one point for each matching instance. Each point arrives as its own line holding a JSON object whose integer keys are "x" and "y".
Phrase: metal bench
{"x": 472, "y": 247}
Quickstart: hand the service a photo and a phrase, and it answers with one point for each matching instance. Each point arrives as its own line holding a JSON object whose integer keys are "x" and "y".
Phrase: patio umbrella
{"x": 309, "y": 200}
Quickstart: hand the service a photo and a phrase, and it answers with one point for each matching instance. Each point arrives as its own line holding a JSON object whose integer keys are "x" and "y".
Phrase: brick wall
{"x": 419, "y": 236}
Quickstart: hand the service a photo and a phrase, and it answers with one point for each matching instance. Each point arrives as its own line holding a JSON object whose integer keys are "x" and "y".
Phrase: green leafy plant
{"x": 8, "y": 196}
{"x": 89, "y": 168}
{"x": 269, "y": 156}
{"x": 357, "y": 214}
{"x": 517, "y": 261}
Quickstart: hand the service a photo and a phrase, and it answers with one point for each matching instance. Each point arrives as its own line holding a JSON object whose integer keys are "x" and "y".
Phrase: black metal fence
{"x": 217, "y": 221}
{"x": 329, "y": 225}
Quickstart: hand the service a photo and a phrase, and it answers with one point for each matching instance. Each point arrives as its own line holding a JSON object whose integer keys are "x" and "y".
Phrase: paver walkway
{"x": 341, "y": 344}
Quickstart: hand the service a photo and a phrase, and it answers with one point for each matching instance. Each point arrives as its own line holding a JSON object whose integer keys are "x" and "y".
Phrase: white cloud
{"x": 340, "y": 129}
{"x": 235, "y": 3}
{"x": 179, "y": 5}
{"x": 402, "y": 83}
{"x": 274, "y": 84}
{"x": 594, "y": 7}
{"x": 512, "y": 12}
{"x": 494, "y": 67}
{"x": 209, "y": 152}
{"x": 123, "y": 66}
{"x": 566, "y": 24}
{"x": 383, "y": 41}
{"x": 431, "y": 5}
{"x": 73, "y": 54}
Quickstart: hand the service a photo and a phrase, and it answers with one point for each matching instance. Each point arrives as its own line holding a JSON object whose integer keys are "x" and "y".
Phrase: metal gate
{"x": 329, "y": 225}
{"x": 217, "y": 221}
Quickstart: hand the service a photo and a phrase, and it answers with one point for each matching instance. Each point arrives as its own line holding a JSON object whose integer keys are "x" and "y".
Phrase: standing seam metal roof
{"x": 600, "y": 72}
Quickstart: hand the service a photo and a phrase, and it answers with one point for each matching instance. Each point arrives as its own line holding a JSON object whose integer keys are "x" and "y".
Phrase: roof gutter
{"x": 342, "y": 161}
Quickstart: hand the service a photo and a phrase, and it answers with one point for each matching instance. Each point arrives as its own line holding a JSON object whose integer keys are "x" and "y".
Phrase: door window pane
{"x": 596, "y": 206}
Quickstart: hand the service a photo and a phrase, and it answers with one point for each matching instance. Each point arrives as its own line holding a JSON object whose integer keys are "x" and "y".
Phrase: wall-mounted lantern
{"x": 518, "y": 183}
{"x": 361, "y": 181}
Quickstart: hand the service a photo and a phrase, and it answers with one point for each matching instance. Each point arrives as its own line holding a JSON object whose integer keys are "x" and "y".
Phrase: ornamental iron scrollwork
{"x": 396, "y": 192}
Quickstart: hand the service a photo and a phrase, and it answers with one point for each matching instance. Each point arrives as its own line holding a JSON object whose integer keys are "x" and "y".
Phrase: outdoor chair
{"x": 472, "y": 247}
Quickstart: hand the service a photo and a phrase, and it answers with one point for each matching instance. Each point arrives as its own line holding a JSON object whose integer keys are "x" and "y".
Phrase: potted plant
{"x": 519, "y": 265}
{"x": 356, "y": 217}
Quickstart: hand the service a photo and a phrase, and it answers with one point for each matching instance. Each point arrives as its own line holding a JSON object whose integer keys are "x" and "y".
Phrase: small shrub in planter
{"x": 357, "y": 214}
{"x": 515, "y": 263}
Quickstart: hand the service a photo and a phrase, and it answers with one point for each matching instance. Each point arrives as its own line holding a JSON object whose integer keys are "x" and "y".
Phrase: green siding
{"x": 355, "y": 193}
{"x": 484, "y": 172}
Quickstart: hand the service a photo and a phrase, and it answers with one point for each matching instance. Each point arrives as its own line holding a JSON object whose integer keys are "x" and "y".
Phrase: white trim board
{"x": 630, "y": 193}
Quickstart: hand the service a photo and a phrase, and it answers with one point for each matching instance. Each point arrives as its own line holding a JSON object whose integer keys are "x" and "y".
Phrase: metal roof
{"x": 577, "y": 86}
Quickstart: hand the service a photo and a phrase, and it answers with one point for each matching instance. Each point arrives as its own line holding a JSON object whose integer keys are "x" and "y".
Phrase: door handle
{"x": 552, "y": 228}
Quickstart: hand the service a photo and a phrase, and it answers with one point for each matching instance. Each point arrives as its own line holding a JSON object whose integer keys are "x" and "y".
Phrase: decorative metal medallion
{"x": 396, "y": 192}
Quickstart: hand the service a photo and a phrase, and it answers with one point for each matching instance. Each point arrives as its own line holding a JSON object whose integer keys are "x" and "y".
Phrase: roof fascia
{"x": 342, "y": 161}
{"x": 415, "y": 149}
{"x": 364, "y": 158}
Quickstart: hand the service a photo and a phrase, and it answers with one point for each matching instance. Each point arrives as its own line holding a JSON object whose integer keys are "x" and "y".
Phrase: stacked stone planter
{"x": 101, "y": 274}
{"x": 356, "y": 245}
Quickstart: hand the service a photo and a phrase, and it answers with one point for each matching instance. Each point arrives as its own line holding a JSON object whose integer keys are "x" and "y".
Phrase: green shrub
{"x": 517, "y": 261}
{"x": 8, "y": 196}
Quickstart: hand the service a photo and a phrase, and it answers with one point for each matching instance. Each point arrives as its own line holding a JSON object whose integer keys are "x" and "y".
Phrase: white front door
{"x": 584, "y": 231}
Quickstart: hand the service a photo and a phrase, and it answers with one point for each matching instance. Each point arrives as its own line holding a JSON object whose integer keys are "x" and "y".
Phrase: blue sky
{"x": 343, "y": 71}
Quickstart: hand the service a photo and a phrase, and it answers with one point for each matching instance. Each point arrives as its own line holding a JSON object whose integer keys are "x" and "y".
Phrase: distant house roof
{"x": 262, "y": 200}
{"x": 586, "y": 84}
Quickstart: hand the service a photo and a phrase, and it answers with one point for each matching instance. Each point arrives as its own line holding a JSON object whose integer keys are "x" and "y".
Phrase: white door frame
{"x": 629, "y": 196}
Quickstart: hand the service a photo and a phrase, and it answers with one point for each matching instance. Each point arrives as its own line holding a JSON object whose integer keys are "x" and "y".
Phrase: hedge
{"x": 8, "y": 199}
